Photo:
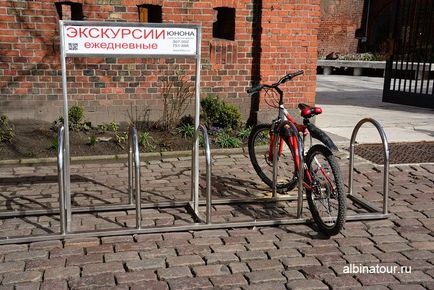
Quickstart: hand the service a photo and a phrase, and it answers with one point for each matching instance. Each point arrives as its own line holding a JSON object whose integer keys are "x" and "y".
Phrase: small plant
{"x": 75, "y": 119}
{"x": 187, "y": 130}
{"x": 6, "y": 129}
{"x": 92, "y": 140}
{"x": 216, "y": 111}
{"x": 226, "y": 140}
{"x": 146, "y": 141}
{"x": 54, "y": 145}
{"x": 76, "y": 115}
{"x": 103, "y": 128}
{"x": 244, "y": 133}
{"x": 114, "y": 126}
{"x": 120, "y": 138}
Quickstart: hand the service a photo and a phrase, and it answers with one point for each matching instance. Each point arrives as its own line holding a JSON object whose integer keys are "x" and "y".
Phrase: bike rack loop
{"x": 386, "y": 162}
{"x": 208, "y": 161}
{"x": 60, "y": 173}
{"x": 293, "y": 130}
{"x": 134, "y": 175}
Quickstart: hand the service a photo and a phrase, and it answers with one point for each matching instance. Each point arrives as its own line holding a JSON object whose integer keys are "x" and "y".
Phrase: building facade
{"x": 244, "y": 42}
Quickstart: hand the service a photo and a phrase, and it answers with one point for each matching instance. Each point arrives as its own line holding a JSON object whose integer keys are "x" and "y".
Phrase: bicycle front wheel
{"x": 259, "y": 153}
{"x": 326, "y": 198}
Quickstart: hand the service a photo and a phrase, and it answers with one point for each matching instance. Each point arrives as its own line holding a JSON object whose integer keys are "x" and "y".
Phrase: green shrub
{"x": 76, "y": 115}
{"x": 146, "y": 141}
{"x": 226, "y": 140}
{"x": 186, "y": 130}
{"x": 6, "y": 130}
{"x": 91, "y": 141}
{"x": 216, "y": 111}
{"x": 244, "y": 133}
{"x": 54, "y": 143}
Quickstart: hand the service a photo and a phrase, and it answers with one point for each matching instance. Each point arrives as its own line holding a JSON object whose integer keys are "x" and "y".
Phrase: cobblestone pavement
{"x": 285, "y": 257}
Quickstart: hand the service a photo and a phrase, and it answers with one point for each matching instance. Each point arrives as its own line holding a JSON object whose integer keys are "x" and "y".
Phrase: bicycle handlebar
{"x": 283, "y": 80}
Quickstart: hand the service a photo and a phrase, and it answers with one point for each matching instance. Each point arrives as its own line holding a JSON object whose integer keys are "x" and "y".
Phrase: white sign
{"x": 129, "y": 40}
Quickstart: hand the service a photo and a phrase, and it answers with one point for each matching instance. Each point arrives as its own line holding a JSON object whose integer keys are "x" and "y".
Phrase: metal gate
{"x": 409, "y": 70}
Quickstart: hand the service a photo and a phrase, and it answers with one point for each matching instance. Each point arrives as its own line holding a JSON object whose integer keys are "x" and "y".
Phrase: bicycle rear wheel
{"x": 259, "y": 144}
{"x": 326, "y": 198}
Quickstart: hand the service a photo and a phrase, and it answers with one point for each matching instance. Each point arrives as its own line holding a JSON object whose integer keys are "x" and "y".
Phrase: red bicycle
{"x": 322, "y": 178}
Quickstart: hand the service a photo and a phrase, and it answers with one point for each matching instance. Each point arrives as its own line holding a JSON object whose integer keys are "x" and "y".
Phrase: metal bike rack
{"x": 374, "y": 211}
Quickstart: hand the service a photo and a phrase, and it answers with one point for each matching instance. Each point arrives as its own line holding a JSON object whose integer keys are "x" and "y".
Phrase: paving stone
{"x": 261, "y": 246}
{"x": 251, "y": 255}
{"x": 266, "y": 286}
{"x": 317, "y": 272}
{"x": 407, "y": 287}
{"x": 363, "y": 258}
{"x": 211, "y": 270}
{"x": 306, "y": 284}
{"x": 6, "y": 249}
{"x": 62, "y": 273}
{"x": 146, "y": 264}
{"x": 45, "y": 245}
{"x": 341, "y": 282}
{"x": 27, "y": 286}
{"x": 234, "y": 240}
{"x": 418, "y": 254}
{"x": 65, "y": 252}
{"x": 206, "y": 241}
{"x": 150, "y": 285}
{"x": 293, "y": 275}
{"x": 211, "y": 234}
{"x": 190, "y": 283}
{"x": 165, "y": 252}
{"x": 54, "y": 285}
{"x": 100, "y": 249}
{"x": 413, "y": 277}
{"x": 394, "y": 247}
{"x": 82, "y": 242}
{"x": 283, "y": 253}
{"x": 265, "y": 276}
{"x": 80, "y": 260}
{"x": 376, "y": 279}
{"x": 232, "y": 248}
{"x": 174, "y": 272}
{"x": 96, "y": 269}
{"x": 239, "y": 267}
{"x": 134, "y": 277}
{"x": 299, "y": 262}
{"x": 229, "y": 281}
{"x": 92, "y": 282}
{"x": 185, "y": 250}
{"x": 332, "y": 260}
{"x": 220, "y": 258}
{"x": 7, "y": 267}
{"x": 117, "y": 239}
{"x": 188, "y": 260}
{"x": 320, "y": 251}
{"x": 121, "y": 257}
{"x": 22, "y": 277}
{"x": 24, "y": 256}
{"x": 140, "y": 246}
{"x": 260, "y": 265}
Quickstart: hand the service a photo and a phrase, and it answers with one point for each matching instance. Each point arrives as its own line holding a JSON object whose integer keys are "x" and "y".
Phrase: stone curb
{"x": 143, "y": 156}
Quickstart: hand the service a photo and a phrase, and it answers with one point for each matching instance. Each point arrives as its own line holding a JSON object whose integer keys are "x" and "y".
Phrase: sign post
{"x": 116, "y": 39}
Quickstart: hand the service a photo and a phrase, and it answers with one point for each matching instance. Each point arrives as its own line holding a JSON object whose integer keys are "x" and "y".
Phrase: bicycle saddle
{"x": 308, "y": 111}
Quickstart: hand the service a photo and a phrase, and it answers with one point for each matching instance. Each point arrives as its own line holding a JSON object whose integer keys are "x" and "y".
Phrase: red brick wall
{"x": 339, "y": 21}
{"x": 30, "y": 80}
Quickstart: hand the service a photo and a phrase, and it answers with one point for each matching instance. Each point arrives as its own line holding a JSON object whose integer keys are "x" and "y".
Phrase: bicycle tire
{"x": 338, "y": 192}
{"x": 263, "y": 166}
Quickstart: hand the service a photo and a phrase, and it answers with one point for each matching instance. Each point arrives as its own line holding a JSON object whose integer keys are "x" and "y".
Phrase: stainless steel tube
{"x": 136, "y": 155}
{"x": 276, "y": 143}
{"x": 208, "y": 161}
{"x": 130, "y": 166}
{"x": 60, "y": 172}
{"x": 386, "y": 153}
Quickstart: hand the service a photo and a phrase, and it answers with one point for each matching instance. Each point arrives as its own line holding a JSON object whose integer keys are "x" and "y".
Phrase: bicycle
{"x": 322, "y": 178}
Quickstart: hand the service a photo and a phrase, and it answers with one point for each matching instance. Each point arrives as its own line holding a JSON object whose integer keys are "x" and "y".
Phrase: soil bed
{"x": 35, "y": 139}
